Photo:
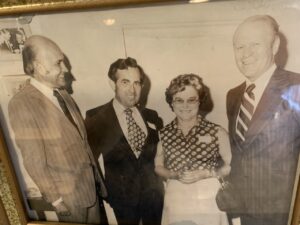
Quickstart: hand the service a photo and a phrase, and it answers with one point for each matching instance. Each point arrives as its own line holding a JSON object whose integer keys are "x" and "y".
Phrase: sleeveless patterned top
{"x": 199, "y": 149}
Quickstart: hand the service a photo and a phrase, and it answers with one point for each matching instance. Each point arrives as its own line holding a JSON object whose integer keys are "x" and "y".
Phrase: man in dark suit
{"x": 126, "y": 135}
{"x": 264, "y": 125}
{"x": 51, "y": 136}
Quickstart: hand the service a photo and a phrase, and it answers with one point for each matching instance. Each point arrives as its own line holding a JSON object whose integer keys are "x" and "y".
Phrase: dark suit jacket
{"x": 264, "y": 166}
{"x": 126, "y": 177}
{"x": 53, "y": 152}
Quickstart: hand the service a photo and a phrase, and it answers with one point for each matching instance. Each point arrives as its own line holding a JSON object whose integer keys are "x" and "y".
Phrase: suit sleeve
{"x": 93, "y": 134}
{"x": 228, "y": 105}
{"x": 32, "y": 146}
{"x": 89, "y": 130}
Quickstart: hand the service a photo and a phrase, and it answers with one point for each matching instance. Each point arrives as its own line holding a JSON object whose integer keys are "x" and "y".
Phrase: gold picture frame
{"x": 18, "y": 7}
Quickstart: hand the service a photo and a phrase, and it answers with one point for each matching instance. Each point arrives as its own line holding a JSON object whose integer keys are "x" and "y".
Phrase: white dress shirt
{"x": 45, "y": 90}
{"x": 260, "y": 84}
{"x": 121, "y": 115}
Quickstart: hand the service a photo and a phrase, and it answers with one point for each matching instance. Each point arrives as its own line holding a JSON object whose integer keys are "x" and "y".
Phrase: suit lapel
{"x": 48, "y": 115}
{"x": 52, "y": 110}
{"x": 117, "y": 136}
{"x": 236, "y": 103}
{"x": 267, "y": 105}
{"x": 149, "y": 130}
{"x": 114, "y": 125}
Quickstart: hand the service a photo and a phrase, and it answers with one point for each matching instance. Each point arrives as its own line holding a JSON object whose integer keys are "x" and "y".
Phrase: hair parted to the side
{"x": 123, "y": 64}
{"x": 179, "y": 83}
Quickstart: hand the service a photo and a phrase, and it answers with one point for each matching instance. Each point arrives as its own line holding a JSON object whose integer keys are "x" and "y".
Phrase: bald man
{"x": 264, "y": 125}
{"x": 49, "y": 133}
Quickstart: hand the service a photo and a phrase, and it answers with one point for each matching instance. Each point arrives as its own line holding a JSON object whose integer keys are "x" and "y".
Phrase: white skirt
{"x": 192, "y": 204}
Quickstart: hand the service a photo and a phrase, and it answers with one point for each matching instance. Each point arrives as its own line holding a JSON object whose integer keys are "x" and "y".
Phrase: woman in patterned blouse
{"x": 191, "y": 155}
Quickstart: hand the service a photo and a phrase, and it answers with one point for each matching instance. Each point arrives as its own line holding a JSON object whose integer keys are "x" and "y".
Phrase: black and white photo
{"x": 156, "y": 114}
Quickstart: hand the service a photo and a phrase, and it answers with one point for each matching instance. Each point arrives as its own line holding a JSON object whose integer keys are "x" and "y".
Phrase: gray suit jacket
{"x": 53, "y": 152}
{"x": 264, "y": 166}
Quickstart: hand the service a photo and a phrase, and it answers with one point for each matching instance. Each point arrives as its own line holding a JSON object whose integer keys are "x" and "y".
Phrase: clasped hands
{"x": 192, "y": 176}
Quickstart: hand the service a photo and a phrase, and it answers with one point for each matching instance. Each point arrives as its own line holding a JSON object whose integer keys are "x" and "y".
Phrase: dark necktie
{"x": 136, "y": 136}
{"x": 62, "y": 104}
{"x": 71, "y": 111}
{"x": 246, "y": 112}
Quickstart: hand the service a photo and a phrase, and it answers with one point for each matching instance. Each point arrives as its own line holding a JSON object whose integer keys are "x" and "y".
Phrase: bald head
{"x": 33, "y": 48}
{"x": 257, "y": 21}
{"x": 44, "y": 60}
{"x": 256, "y": 43}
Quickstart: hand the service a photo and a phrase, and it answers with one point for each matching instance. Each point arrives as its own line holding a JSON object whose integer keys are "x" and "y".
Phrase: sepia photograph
{"x": 155, "y": 114}
{"x": 13, "y": 33}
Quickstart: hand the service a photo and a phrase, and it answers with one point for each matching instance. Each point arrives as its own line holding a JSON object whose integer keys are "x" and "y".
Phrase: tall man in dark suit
{"x": 126, "y": 135}
{"x": 264, "y": 125}
{"x": 51, "y": 136}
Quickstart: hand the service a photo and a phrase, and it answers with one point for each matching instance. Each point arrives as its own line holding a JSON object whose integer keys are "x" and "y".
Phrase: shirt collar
{"x": 264, "y": 78}
{"x": 47, "y": 91}
{"x": 198, "y": 123}
{"x": 119, "y": 108}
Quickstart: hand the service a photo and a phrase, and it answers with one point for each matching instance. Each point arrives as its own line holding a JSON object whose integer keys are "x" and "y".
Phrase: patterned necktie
{"x": 136, "y": 136}
{"x": 246, "y": 112}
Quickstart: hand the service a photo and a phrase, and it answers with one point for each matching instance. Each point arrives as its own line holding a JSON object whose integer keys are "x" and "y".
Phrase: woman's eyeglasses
{"x": 190, "y": 101}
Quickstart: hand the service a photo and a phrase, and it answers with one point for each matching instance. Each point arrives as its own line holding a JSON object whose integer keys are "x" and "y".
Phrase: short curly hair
{"x": 179, "y": 83}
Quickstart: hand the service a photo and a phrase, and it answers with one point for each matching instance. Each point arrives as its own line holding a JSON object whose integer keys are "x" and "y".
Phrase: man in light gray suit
{"x": 264, "y": 125}
{"x": 50, "y": 134}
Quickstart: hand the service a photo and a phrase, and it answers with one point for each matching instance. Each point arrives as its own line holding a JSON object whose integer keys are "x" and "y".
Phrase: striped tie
{"x": 246, "y": 112}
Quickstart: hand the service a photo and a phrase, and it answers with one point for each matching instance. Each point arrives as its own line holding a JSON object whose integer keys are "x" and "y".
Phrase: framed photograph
{"x": 164, "y": 39}
{"x": 13, "y": 33}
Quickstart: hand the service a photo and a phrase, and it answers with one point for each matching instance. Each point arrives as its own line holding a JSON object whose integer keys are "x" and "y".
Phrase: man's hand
{"x": 62, "y": 209}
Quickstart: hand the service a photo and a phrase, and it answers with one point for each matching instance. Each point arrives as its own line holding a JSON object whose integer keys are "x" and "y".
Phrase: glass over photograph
{"x": 176, "y": 114}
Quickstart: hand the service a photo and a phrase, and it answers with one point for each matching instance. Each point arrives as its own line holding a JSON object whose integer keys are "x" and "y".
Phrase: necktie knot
{"x": 55, "y": 92}
{"x": 61, "y": 102}
{"x": 249, "y": 91}
{"x": 128, "y": 112}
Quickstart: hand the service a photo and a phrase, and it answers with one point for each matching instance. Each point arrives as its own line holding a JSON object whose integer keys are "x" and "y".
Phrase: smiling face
{"x": 49, "y": 66}
{"x": 186, "y": 104}
{"x": 255, "y": 46}
{"x": 128, "y": 86}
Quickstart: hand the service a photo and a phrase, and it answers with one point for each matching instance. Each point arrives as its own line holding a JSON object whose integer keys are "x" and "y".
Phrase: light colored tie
{"x": 136, "y": 136}
{"x": 246, "y": 112}
{"x": 78, "y": 121}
